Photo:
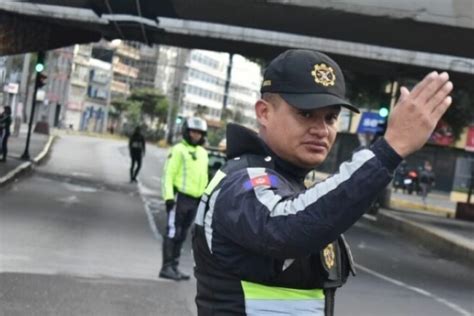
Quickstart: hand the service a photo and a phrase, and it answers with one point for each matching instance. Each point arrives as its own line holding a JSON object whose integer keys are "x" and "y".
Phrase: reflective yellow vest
{"x": 186, "y": 171}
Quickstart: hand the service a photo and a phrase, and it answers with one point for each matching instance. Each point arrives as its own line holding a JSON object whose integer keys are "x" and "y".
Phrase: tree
{"x": 119, "y": 107}
{"x": 153, "y": 103}
{"x": 134, "y": 114}
{"x": 459, "y": 115}
{"x": 366, "y": 91}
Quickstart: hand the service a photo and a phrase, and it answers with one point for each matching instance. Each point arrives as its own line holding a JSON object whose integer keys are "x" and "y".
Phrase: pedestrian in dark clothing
{"x": 5, "y": 123}
{"x": 263, "y": 243}
{"x": 427, "y": 180}
{"x": 399, "y": 176}
{"x": 136, "y": 145}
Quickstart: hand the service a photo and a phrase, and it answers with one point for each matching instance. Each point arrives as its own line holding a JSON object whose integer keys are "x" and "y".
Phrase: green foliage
{"x": 460, "y": 115}
{"x": 134, "y": 113}
{"x": 152, "y": 102}
{"x": 366, "y": 91}
{"x": 214, "y": 136}
{"x": 119, "y": 106}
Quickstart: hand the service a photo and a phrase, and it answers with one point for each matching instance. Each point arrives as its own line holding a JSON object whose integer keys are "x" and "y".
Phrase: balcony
{"x": 124, "y": 70}
{"x": 120, "y": 87}
{"x": 128, "y": 51}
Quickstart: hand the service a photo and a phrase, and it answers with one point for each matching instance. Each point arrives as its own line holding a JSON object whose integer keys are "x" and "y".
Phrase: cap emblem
{"x": 266, "y": 83}
{"x": 324, "y": 75}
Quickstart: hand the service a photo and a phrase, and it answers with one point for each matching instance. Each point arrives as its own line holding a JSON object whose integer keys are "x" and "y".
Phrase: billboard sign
{"x": 369, "y": 123}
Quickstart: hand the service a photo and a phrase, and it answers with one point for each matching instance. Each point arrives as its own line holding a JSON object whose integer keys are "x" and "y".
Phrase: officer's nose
{"x": 319, "y": 128}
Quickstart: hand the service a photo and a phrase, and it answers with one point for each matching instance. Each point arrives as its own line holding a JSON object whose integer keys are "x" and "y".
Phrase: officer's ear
{"x": 262, "y": 109}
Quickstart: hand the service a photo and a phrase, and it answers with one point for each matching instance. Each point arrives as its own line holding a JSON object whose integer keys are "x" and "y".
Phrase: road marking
{"x": 72, "y": 199}
{"x": 418, "y": 290}
{"x": 149, "y": 215}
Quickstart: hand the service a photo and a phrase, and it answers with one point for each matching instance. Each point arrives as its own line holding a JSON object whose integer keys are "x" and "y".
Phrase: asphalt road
{"x": 76, "y": 238}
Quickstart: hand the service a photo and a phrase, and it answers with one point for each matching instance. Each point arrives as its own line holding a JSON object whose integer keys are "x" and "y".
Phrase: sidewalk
{"x": 432, "y": 224}
{"x": 14, "y": 166}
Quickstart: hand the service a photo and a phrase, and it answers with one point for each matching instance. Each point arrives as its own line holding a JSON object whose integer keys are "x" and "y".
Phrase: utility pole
{"x": 177, "y": 93}
{"x": 227, "y": 85}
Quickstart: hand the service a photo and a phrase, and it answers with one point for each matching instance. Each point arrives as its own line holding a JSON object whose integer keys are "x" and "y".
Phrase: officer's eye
{"x": 305, "y": 114}
{"x": 331, "y": 118}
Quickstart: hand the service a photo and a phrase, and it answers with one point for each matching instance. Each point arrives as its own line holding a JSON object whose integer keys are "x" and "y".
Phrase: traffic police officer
{"x": 185, "y": 178}
{"x": 263, "y": 243}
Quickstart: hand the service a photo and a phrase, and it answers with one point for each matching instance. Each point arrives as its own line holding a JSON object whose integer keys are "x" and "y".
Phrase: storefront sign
{"x": 470, "y": 139}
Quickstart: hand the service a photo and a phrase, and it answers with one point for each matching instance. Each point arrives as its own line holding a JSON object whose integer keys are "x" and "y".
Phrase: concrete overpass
{"x": 370, "y": 36}
{"x": 441, "y": 26}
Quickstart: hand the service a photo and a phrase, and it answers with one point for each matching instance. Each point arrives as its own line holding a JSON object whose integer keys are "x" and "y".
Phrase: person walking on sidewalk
{"x": 264, "y": 244}
{"x": 136, "y": 146}
{"x": 184, "y": 180}
{"x": 427, "y": 180}
{"x": 5, "y": 123}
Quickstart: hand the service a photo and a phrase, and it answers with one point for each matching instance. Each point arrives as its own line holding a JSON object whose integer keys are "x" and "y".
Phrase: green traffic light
{"x": 39, "y": 67}
{"x": 383, "y": 112}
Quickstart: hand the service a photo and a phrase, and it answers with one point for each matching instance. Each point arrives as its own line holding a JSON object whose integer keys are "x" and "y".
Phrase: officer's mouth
{"x": 316, "y": 147}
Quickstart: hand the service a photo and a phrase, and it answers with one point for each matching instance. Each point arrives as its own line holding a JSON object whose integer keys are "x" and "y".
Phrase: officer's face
{"x": 195, "y": 136}
{"x": 301, "y": 137}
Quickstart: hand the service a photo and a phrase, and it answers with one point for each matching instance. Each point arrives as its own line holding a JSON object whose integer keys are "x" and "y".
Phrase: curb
{"x": 440, "y": 241}
{"x": 44, "y": 153}
{"x": 27, "y": 165}
{"x": 403, "y": 204}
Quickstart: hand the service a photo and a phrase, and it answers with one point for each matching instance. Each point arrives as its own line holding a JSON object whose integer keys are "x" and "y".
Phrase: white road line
{"x": 149, "y": 215}
{"x": 141, "y": 190}
{"x": 418, "y": 290}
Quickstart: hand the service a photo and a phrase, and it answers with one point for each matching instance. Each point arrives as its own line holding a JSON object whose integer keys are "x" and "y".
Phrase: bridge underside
{"x": 25, "y": 28}
{"x": 449, "y": 30}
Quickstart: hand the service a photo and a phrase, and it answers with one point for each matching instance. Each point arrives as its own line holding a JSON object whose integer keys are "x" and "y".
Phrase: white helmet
{"x": 195, "y": 123}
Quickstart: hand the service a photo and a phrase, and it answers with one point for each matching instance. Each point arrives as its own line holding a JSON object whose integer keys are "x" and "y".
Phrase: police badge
{"x": 324, "y": 75}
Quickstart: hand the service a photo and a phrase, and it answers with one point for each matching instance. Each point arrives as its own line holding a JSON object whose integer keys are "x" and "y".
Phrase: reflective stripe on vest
{"x": 263, "y": 300}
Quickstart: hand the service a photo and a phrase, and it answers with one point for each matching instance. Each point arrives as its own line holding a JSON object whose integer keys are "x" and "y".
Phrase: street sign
{"x": 11, "y": 88}
{"x": 369, "y": 123}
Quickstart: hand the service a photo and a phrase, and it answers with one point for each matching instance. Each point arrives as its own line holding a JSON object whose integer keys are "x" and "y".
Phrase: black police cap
{"x": 306, "y": 79}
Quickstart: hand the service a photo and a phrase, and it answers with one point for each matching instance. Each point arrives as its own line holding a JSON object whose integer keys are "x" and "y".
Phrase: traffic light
{"x": 382, "y": 122}
{"x": 179, "y": 119}
{"x": 39, "y": 67}
{"x": 41, "y": 80}
{"x": 383, "y": 112}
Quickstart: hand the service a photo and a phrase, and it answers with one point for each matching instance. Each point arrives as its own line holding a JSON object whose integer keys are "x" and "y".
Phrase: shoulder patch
{"x": 261, "y": 180}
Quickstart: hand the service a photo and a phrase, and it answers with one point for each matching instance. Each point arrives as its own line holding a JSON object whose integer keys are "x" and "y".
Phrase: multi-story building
{"x": 244, "y": 90}
{"x": 124, "y": 60}
{"x": 78, "y": 83}
{"x": 147, "y": 67}
{"x": 58, "y": 69}
{"x": 204, "y": 85}
{"x": 97, "y": 100}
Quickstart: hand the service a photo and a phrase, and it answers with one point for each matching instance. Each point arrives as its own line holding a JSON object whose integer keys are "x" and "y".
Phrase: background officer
{"x": 184, "y": 180}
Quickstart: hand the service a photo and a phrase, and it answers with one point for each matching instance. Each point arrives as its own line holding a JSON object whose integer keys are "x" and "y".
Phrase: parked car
{"x": 217, "y": 159}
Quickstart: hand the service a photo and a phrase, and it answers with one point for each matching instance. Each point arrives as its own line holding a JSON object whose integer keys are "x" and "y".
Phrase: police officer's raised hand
{"x": 417, "y": 112}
